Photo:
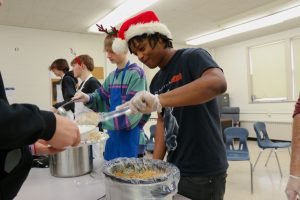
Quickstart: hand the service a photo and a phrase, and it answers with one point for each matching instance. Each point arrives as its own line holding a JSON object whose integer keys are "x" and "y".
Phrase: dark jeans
{"x": 203, "y": 188}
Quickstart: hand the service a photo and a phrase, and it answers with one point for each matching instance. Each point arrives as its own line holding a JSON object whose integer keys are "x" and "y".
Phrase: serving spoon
{"x": 61, "y": 110}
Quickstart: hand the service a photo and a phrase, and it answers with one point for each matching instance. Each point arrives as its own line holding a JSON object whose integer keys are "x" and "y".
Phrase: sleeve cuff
{"x": 50, "y": 125}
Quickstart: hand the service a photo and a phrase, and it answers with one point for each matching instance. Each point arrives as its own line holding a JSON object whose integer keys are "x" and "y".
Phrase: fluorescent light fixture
{"x": 121, "y": 13}
{"x": 268, "y": 20}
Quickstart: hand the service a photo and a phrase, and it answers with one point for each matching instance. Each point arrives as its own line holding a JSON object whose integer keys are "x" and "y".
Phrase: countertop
{"x": 41, "y": 185}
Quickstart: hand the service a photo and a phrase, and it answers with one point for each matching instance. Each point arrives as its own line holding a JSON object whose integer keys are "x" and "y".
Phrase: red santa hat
{"x": 146, "y": 22}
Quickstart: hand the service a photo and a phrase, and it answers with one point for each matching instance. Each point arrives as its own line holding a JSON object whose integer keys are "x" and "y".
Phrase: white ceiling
{"x": 185, "y": 18}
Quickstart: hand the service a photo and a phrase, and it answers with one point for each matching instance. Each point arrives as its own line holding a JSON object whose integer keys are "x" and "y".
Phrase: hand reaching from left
{"x": 43, "y": 148}
{"x": 66, "y": 133}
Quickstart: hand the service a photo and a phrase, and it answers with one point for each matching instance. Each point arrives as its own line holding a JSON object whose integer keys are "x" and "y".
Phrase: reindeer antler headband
{"x": 113, "y": 31}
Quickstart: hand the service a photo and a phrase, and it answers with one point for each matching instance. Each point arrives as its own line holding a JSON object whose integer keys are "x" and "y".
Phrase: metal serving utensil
{"x": 116, "y": 113}
{"x": 61, "y": 110}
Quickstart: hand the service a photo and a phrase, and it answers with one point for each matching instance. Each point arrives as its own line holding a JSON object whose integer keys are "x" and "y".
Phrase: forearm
{"x": 295, "y": 158}
{"x": 23, "y": 124}
{"x": 96, "y": 102}
{"x": 208, "y": 86}
{"x": 159, "y": 147}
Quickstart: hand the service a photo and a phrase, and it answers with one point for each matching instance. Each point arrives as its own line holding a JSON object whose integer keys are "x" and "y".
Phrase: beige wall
{"x": 234, "y": 60}
{"x": 27, "y": 53}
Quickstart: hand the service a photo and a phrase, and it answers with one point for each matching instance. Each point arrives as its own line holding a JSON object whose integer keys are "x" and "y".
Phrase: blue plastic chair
{"x": 150, "y": 144}
{"x": 237, "y": 148}
{"x": 264, "y": 142}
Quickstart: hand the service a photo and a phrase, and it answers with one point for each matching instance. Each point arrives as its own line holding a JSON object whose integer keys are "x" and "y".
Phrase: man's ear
{"x": 161, "y": 42}
{"x": 83, "y": 66}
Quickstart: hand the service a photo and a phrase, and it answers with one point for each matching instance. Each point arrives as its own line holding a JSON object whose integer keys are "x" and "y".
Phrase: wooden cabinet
{"x": 54, "y": 83}
{"x": 98, "y": 73}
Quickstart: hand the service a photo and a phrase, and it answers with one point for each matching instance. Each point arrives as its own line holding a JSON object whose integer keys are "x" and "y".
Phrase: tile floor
{"x": 267, "y": 183}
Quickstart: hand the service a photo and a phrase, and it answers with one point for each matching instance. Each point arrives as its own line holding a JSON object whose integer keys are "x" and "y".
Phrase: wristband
{"x": 90, "y": 98}
{"x": 294, "y": 177}
{"x": 32, "y": 149}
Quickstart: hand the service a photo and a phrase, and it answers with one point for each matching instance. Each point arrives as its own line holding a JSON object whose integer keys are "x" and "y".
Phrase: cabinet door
{"x": 54, "y": 83}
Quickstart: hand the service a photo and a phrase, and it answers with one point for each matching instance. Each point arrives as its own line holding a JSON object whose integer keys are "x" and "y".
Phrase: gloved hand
{"x": 292, "y": 189}
{"x": 81, "y": 97}
{"x": 143, "y": 102}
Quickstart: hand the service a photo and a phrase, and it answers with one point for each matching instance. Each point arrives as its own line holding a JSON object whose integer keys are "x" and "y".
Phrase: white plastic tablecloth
{"x": 41, "y": 185}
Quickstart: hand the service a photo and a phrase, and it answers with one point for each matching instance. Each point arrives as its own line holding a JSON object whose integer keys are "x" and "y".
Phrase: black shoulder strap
{"x": 2, "y": 89}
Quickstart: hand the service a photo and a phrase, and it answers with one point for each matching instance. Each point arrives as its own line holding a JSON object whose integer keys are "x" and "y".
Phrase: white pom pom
{"x": 119, "y": 46}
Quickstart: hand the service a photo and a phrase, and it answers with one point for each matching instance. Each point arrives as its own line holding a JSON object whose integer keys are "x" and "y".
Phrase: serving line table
{"x": 40, "y": 184}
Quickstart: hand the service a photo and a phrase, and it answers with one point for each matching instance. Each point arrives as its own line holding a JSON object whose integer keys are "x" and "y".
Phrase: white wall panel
{"x": 27, "y": 53}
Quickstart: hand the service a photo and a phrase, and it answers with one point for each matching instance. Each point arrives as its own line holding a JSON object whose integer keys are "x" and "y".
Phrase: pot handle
{"x": 164, "y": 190}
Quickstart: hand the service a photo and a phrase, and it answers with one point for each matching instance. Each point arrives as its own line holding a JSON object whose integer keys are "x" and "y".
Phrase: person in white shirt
{"x": 83, "y": 66}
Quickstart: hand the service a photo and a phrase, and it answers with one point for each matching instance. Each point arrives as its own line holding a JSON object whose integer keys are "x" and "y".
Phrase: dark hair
{"x": 60, "y": 64}
{"x": 86, "y": 59}
{"x": 153, "y": 39}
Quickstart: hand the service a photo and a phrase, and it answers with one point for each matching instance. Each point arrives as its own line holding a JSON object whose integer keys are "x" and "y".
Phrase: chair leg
{"x": 251, "y": 173}
{"x": 257, "y": 158}
{"x": 278, "y": 163}
{"x": 269, "y": 157}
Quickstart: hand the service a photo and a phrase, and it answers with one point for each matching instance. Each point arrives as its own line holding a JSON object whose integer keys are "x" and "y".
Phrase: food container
{"x": 160, "y": 185}
{"x": 85, "y": 130}
{"x": 74, "y": 161}
{"x": 77, "y": 161}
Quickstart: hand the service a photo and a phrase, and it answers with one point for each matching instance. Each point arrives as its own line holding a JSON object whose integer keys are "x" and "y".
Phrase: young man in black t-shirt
{"x": 183, "y": 93}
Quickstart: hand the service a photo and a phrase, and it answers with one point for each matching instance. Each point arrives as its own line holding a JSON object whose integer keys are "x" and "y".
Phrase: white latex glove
{"x": 81, "y": 97}
{"x": 143, "y": 102}
{"x": 292, "y": 189}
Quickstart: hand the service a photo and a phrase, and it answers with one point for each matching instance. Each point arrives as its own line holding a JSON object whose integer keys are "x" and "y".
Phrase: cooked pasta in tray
{"x": 139, "y": 171}
{"x": 144, "y": 174}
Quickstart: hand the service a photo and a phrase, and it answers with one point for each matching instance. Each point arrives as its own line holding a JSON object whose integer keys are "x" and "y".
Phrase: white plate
{"x": 103, "y": 138}
{"x": 83, "y": 129}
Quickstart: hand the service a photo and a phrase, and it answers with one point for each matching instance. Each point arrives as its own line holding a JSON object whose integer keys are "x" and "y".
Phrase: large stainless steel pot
{"x": 163, "y": 187}
{"x": 74, "y": 161}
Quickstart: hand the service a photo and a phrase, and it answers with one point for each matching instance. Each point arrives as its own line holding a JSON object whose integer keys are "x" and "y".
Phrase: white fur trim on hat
{"x": 149, "y": 28}
{"x": 119, "y": 46}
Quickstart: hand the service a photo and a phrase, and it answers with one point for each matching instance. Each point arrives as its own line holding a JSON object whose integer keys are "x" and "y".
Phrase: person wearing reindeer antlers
{"x": 183, "y": 92}
{"x": 120, "y": 86}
